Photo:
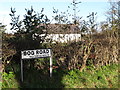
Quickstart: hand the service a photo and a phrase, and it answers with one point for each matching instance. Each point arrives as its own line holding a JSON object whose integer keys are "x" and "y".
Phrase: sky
{"x": 86, "y": 7}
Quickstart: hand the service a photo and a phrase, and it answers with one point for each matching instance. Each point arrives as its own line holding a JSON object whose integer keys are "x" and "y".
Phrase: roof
{"x": 63, "y": 29}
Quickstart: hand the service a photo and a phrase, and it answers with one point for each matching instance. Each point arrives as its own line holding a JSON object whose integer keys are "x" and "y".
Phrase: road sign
{"x": 38, "y": 53}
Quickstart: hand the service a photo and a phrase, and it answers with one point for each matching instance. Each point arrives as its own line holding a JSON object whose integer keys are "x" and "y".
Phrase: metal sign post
{"x": 39, "y": 53}
{"x": 51, "y": 66}
{"x": 21, "y": 70}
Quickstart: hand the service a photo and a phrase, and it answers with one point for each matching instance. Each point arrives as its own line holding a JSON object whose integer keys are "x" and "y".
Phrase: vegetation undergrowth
{"x": 103, "y": 77}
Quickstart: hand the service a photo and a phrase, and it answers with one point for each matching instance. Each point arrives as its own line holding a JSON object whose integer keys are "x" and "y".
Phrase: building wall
{"x": 64, "y": 37}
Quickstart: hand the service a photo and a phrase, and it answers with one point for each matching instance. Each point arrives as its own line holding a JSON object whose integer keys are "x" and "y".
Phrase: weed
{"x": 9, "y": 80}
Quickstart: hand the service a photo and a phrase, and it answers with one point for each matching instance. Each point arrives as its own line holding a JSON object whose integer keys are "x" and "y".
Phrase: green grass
{"x": 103, "y": 77}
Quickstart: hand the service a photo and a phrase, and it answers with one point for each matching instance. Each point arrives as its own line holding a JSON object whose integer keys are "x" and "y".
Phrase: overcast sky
{"x": 86, "y": 7}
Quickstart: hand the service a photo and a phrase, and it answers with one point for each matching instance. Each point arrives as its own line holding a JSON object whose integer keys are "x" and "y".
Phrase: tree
{"x": 118, "y": 8}
{"x": 60, "y": 18}
{"x": 29, "y": 29}
{"x": 2, "y": 29}
{"x": 92, "y": 22}
{"x": 6, "y": 49}
{"x": 112, "y": 14}
{"x": 75, "y": 18}
{"x": 30, "y": 32}
{"x": 65, "y": 17}
{"x": 89, "y": 27}
{"x": 113, "y": 20}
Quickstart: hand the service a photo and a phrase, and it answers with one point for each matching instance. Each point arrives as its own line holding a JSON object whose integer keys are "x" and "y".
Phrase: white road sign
{"x": 39, "y": 53}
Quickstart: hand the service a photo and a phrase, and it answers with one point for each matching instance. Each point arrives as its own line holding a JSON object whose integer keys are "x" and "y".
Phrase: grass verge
{"x": 103, "y": 77}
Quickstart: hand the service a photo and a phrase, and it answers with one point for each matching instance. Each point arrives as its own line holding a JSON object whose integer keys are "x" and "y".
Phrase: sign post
{"x": 21, "y": 70}
{"x": 51, "y": 65}
{"x": 38, "y": 53}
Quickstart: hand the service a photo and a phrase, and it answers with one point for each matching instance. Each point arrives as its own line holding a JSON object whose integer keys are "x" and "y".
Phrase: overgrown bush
{"x": 97, "y": 51}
